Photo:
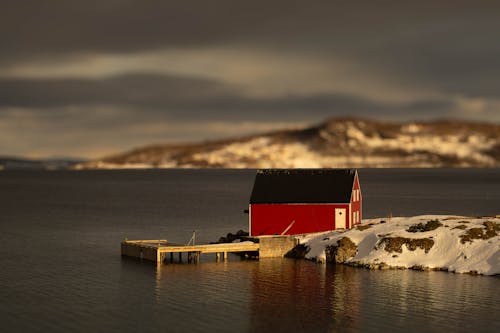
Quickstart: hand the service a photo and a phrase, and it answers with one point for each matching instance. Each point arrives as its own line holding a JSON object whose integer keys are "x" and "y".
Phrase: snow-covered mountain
{"x": 336, "y": 143}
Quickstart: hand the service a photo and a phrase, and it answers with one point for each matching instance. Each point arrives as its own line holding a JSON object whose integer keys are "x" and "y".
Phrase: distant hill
{"x": 336, "y": 143}
{"x": 11, "y": 163}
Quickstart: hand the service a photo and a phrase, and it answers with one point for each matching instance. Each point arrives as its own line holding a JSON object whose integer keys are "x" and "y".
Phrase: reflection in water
{"x": 287, "y": 295}
{"x": 345, "y": 297}
{"x": 427, "y": 301}
{"x": 209, "y": 296}
{"x": 300, "y": 295}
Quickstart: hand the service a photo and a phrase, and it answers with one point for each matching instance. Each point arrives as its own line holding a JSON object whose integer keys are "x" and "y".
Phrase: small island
{"x": 429, "y": 242}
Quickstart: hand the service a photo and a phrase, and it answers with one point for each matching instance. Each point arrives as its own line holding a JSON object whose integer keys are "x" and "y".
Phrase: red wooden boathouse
{"x": 299, "y": 201}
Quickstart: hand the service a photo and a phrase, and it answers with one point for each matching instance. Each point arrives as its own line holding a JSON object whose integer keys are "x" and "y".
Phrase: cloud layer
{"x": 88, "y": 78}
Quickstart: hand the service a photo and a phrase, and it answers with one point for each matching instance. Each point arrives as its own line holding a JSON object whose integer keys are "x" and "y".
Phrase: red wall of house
{"x": 272, "y": 219}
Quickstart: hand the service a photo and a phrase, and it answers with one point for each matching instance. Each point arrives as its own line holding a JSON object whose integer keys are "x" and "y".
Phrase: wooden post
{"x": 225, "y": 256}
{"x": 217, "y": 256}
{"x": 190, "y": 257}
{"x": 171, "y": 257}
{"x": 180, "y": 256}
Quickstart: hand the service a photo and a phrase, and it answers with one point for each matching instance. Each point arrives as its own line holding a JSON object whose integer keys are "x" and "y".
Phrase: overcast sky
{"x": 89, "y": 78}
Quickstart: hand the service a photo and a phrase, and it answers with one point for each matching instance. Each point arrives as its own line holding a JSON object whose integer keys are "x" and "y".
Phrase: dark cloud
{"x": 125, "y": 25}
{"x": 194, "y": 99}
{"x": 403, "y": 60}
{"x": 456, "y": 55}
{"x": 450, "y": 45}
{"x": 33, "y": 27}
{"x": 139, "y": 90}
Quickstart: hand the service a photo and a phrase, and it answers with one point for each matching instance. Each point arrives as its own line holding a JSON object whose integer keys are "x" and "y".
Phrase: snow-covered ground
{"x": 461, "y": 244}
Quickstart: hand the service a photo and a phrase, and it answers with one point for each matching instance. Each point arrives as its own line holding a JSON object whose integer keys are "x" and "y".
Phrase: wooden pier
{"x": 160, "y": 250}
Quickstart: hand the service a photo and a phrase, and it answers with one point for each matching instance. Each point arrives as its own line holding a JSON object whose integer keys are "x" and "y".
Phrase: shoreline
{"x": 451, "y": 243}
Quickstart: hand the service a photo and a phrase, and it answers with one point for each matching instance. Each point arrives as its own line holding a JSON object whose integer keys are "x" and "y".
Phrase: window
{"x": 355, "y": 195}
{"x": 355, "y": 217}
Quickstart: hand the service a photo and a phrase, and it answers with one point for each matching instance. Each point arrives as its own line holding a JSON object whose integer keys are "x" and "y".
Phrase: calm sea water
{"x": 61, "y": 269}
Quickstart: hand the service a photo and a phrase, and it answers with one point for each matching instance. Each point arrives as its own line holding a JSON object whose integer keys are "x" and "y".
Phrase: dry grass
{"x": 363, "y": 227}
{"x": 461, "y": 227}
{"x": 395, "y": 244}
{"x": 453, "y": 218}
{"x": 489, "y": 230}
{"x": 420, "y": 227}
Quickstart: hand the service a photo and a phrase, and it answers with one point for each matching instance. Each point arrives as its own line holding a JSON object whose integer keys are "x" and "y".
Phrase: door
{"x": 340, "y": 217}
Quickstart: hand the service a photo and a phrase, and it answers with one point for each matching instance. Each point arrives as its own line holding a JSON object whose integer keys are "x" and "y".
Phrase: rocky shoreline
{"x": 426, "y": 243}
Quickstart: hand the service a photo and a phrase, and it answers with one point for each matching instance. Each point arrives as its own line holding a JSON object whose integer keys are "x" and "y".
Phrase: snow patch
{"x": 261, "y": 152}
{"x": 481, "y": 256}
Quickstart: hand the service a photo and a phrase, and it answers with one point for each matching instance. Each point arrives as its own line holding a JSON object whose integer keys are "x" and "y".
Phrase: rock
{"x": 239, "y": 236}
{"x": 298, "y": 252}
{"x": 241, "y": 233}
{"x": 420, "y": 268}
{"x": 383, "y": 266}
{"x": 343, "y": 251}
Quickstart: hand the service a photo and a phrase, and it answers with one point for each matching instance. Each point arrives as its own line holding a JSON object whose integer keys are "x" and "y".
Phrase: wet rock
{"x": 383, "y": 266}
{"x": 419, "y": 268}
{"x": 298, "y": 252}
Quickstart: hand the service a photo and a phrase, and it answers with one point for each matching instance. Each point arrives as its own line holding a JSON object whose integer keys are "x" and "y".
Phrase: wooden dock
{"x": 160, "y": 250}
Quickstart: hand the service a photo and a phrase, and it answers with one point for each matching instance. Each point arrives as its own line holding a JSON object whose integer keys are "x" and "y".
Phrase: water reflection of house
{"x": 298, "y": 201}
{"x": 289, "y": 295}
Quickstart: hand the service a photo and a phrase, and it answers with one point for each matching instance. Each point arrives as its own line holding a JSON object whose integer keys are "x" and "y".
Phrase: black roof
{"x": 303, "y": 186}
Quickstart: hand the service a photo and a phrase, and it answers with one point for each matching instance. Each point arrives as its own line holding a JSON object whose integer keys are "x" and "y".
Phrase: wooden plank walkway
{"x": 160, "y": 250}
